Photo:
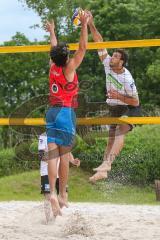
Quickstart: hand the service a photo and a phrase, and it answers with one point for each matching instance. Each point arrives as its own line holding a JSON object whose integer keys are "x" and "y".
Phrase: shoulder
{"x": 52, "y": 64}
{"x": 128, "y": 75}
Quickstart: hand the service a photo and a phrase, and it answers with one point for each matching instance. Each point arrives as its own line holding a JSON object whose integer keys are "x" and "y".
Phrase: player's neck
{"x": 118, "y": 70}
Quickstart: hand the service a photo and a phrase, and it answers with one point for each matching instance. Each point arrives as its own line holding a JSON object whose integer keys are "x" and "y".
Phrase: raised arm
{"x": 76, "y": 60}
{"x": 50, "y": 27}
{"x": 96, "y": 37}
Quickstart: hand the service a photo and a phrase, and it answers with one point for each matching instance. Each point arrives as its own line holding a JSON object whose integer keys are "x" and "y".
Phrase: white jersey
{"x": 42, "y": 145}
{"x": 123, "y": 83}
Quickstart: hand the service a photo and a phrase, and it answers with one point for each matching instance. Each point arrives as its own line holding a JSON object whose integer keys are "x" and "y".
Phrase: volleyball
{"x": 76, "y": 18}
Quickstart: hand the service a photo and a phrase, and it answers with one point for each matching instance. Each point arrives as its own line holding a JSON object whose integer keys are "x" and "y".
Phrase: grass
{"x": 107, "y": 191}
{"x": 23, "y": 186}
{"x": 26, "y": 186}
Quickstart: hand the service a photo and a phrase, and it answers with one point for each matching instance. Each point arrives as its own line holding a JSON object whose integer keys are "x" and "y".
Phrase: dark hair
{"x": 59, "y": 54}
{"x": 124, "y": 55}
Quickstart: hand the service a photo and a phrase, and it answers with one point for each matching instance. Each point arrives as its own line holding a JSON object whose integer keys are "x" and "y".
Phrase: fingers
{"x": 89, "y": 13}
{"x": 109, "y": 94}
{"x": 78, "y": 162}
{"x": 83, "y": 17}
{"x": 49, "y": 26}
{"x": 112, "y": 94}
{"x": 90, "y": 17}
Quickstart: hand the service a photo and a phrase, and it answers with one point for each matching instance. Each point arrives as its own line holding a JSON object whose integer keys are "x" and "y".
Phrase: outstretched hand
{"x": 84, "y": 17}
{"x": 90, "y": 20}
{"x": 50, "y": 26}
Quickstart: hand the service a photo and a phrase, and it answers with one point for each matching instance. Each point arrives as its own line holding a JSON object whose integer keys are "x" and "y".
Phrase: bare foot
{"x": 105, "y": 166}
{"x": 55, "y": 205}
{"x": 63, "y": 201}
{"x": 98, "y": 176}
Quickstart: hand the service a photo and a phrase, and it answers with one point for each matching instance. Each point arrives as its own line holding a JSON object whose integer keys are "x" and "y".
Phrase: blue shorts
{"x": 61, "y": 125}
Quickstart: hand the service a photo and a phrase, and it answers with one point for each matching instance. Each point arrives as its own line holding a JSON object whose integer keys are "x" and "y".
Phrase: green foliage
{"x": 23, "y": 78}
{"x": 34, "y": 147}
{"x": 80, "y": 145}
{"x": 141, "y": 161}
{"x": 24, "y": 157}
{"x": 6, "y": 162}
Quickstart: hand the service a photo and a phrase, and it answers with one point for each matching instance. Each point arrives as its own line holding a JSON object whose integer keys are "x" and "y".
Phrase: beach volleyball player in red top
{"x": 60, "y": 118}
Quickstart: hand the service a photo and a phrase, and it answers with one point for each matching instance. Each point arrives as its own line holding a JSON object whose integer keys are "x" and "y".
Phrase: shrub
{"x": 6, "y": 161}
{"x": 27, "y": 156}
{"x": 23, "y": 157}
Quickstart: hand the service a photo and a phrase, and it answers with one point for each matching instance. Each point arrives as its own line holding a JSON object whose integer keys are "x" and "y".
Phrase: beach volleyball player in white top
{"x": 122, "y": 100}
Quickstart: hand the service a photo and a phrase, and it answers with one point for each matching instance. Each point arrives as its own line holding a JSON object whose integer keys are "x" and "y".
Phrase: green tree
{"x": 23, "y": 76}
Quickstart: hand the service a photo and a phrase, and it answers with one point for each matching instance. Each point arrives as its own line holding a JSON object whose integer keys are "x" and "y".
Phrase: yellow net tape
{"x": 82, "y": 121}
{"x": 91, "y": 46}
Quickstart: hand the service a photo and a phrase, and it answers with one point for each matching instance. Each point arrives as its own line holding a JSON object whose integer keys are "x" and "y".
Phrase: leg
{"x": 118, "y": 144}
{"x": 53, "y": 155}
{"x": 111, "y": 139}
{"x": 63, "y": 175}
{"x": 57, "y": 189}
{"x": 121, "y": 131}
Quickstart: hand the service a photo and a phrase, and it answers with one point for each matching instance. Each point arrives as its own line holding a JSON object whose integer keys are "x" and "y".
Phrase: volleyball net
{"x": 91, "y": 116}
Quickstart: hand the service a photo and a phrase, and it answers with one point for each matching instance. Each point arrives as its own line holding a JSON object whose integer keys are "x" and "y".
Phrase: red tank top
{"x": 62, "y": 92}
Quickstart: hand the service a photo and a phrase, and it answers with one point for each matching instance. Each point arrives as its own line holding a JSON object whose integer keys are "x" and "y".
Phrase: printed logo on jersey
{"x": 55, "y": 73}
{"x": 54, "y": 88}
{"x": 132, "y": 85}
{"x": 114, "y": 81}
{"x": 40, "y": 140}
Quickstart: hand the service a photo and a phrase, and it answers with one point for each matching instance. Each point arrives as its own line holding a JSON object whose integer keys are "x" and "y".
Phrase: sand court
{"x": 25, "y": 220}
